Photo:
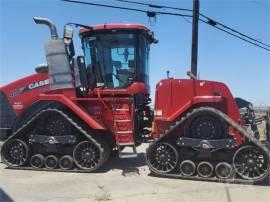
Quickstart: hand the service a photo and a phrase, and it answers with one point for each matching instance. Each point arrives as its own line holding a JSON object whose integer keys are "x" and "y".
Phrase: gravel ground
{"x": 119, "y": 180}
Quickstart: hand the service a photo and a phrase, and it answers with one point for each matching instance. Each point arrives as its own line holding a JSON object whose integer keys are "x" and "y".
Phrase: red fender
{"x": 189, "y": 104}
{"x": 72, "y": 106}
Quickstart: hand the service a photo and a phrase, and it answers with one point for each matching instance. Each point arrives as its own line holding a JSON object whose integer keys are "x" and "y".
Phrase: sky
{"x": 243, "y": 67}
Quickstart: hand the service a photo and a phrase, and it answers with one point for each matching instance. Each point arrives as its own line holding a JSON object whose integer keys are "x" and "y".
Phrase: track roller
{"x": 187, "y": 168}
{"x": 51, "y": 162}
{"x": 162, "y": 157}
{"x": 15, "y": 153}
{"x": 37, "y": 161}
{"x": 224, "y": 170}
{"x": 205, "y": 169}
{"x": 251, "y": 163}
{"x": 66, "y": 162}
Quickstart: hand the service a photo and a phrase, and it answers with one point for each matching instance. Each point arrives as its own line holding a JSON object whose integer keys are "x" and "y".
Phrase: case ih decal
{"x": 31, "y": 86}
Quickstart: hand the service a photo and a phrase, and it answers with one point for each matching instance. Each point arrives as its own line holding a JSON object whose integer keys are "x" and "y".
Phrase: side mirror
{"x": 68, "y": 35}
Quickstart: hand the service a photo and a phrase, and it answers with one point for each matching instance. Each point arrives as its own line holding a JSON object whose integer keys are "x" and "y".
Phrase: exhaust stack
{"x": 59, "y": 69}
{"x": 49, "y": 23}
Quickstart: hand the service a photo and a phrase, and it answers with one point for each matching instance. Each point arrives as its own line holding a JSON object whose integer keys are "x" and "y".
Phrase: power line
{"x": 149, "y": 13}
{"x": 153, "y": 14}
{"x": 156, "y": 6}
{"x": 239, "y": 37}
{"x": 209, "y": 21}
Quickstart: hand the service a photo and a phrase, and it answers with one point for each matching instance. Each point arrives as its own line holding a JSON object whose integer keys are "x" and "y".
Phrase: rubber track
{"x": 73, "y": 123}
{"x": 230, "y": 122}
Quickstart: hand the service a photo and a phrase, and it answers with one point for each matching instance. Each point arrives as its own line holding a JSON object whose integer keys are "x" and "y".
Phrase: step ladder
{"x": 123, "y": 128}
{"x": 123, "y": 154}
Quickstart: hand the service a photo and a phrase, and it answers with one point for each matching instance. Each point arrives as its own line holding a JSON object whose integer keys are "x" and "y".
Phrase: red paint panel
{"x": 134, "y": 88}
{"x": 174, "y": 97}
{"x": 66, "y": 101}
{"x": 25, "y": 91}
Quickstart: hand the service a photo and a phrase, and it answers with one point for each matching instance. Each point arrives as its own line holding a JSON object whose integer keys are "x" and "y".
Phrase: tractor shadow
{"x": 129, "y": 166}
{"x": 4, "y": 196}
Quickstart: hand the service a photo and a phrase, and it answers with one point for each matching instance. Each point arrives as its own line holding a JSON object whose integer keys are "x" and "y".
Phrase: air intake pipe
{"x": 49, "y": 23}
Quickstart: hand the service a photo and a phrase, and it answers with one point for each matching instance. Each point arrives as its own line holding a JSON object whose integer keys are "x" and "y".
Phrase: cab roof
{"x": 116, "y": 26}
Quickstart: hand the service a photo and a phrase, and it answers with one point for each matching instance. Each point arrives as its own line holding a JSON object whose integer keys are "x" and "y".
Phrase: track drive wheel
{"x": 205, "y": 125}
{"x": 15, "y": 153}
{"x": 88, "y": 156}
{"x": 57, "y": 126}
{"x": 162, "y": 157}
{"x": 251, "y": 163}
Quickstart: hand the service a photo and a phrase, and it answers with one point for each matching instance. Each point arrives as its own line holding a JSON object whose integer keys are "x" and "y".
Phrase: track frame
{"x": 264, "y": 146}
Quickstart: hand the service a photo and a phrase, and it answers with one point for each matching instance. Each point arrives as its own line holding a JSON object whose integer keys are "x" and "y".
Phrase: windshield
{"x": 117, "y": 59}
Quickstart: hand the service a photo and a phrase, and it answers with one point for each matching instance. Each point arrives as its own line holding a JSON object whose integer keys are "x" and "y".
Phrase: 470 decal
{"x": 30, "y": 86}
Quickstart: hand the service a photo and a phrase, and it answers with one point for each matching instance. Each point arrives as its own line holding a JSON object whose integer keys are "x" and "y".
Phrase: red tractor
{"x": 73, "y": 112}
{"x": 200, "y": 134}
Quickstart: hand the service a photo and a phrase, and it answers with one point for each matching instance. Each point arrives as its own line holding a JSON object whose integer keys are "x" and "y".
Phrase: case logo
{"x": 30, "y": 86}
{"x": 38, "y": 84}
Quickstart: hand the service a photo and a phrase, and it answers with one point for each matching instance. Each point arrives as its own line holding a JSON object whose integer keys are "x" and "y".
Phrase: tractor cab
{"x": 115, "y": 58}
{"x": 116, "y": 55}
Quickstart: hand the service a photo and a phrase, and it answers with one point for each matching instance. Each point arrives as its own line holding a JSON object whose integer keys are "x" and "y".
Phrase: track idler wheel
{"x": 224, "y": 170}
{"x": 37, "y": 161}
{"x": 87, "y": 156}
{"x": 187, "y": 168}
{"x": 162, "y": 157}
{"x": 205, "y": 169}
{"x": 51, "y": 162}
{"x": 15, "y": 153}
{"x": 251, "y": 163}
{"x": 66, "y": 162}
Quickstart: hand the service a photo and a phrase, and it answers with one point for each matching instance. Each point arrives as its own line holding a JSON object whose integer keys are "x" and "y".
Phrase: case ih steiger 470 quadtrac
{"x": 73, "y": 112}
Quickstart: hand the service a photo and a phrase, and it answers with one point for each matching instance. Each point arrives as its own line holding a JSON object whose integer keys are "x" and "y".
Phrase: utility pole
{"x": 195, "y": 28}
